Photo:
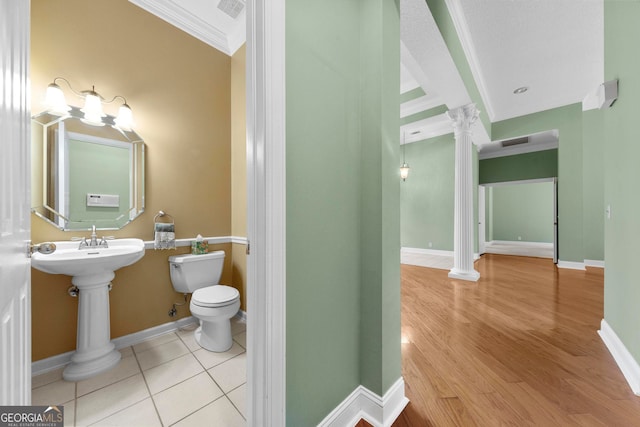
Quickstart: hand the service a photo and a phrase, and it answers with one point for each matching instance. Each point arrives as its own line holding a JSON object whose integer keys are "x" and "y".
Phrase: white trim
{"x": 175, "y": 15}
{"x": 626, "y": 362}
{"x": 593, "y": 263}
{"x": 418, "y": 105}
{"x": 242, "y": 315}
{"x": 523, "y": 181}
{"x": 437, "y": 252}
{"x": 266, "y": 213}
{"x": 430, "y": 127}
{"x": 148, "y": 244}
{"x": 571, "y": 265}
{"x": 60, "y": 360}
{"x": 466, "y": 40}
{"x": 420, "y": 251}
{"x": 365, "y": 404}
{"x": 544, "y": 245}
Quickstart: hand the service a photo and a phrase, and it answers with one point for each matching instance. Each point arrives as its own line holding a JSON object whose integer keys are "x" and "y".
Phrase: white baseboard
{"x": 420, "y": 251}
{"x": 242, "y": 315}
{"x": 593, "y": 263}
{"x": 364, "y": 404}
{"x": 437, "y": 252}
{"x": 521, "y": 243}
{"x": 571, "y": 265}
{"x": 60, "y": 360}
{"x": 627, "y": 364}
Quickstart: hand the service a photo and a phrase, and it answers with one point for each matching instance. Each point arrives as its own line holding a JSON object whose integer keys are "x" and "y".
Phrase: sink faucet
{"x": 94, "y": 237}
{"x": 93, "y": 242}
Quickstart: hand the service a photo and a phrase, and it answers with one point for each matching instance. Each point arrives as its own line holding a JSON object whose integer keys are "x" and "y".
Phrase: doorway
{"x": 519, "y": 218}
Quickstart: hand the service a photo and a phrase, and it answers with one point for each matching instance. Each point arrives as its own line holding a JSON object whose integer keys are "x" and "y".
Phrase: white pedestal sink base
{"x": 95, "y": 353}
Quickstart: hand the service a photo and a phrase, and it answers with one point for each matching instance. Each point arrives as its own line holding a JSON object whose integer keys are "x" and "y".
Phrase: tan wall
{"x": 239, "y": 167}
{"x": 180, "y": 92}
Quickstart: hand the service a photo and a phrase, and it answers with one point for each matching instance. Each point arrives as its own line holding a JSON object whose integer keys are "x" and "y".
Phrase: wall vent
{"x": 231, "y": 7}
{"x": 515, "y": 141}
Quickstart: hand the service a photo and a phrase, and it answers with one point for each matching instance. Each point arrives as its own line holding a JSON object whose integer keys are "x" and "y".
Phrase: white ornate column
{"x": 463, "y": 118}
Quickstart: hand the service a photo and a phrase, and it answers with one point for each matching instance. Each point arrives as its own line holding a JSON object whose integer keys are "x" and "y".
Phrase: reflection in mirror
{"x": 84, "y": 174}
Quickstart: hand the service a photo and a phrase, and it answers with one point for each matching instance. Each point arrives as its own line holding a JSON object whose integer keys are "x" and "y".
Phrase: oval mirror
{"x": 84, "y": 175}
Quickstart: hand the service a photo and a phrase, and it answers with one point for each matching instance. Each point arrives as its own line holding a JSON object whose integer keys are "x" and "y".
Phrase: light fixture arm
{"x": 80, "y": 94}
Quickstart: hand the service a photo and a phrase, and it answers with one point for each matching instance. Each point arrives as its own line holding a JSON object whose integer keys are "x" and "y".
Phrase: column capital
{"x": 463, "y": 117}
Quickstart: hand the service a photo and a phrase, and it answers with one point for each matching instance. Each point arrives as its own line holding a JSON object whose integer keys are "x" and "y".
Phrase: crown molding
{"x": 175, "y": 15}
{"x": 418, "y": 105}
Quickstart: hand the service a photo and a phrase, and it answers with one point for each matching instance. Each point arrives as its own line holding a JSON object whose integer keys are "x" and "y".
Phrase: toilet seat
{"x": 215, "y": 296}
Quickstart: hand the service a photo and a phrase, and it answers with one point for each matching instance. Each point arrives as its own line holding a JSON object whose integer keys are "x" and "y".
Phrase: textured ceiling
{"x": 553, "y": 47}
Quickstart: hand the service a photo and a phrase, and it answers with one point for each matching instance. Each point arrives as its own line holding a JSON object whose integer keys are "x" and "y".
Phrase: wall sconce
{"x": 404, "y": 169}
{"x": 56, "y": 103}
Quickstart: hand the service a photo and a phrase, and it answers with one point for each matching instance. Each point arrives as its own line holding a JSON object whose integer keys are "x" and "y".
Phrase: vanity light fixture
{"x": 404, "y": 169}
{"x": 56, "y": 103}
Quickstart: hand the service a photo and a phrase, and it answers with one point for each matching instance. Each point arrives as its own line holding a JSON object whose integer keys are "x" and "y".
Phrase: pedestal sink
{"x": 92, "y": 270}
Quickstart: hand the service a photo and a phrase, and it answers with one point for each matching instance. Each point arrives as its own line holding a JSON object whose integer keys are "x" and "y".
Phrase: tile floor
{"x": 165, "y": 381}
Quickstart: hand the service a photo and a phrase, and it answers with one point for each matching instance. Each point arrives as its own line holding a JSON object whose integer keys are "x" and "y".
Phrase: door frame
{"x": 482, "y": 226}
{"x": 555, "y": 204}
{"x": 266, "y": 213}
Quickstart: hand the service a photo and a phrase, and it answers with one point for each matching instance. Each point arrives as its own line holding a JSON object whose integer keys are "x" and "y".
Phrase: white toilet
{"x": 212, "y": 303}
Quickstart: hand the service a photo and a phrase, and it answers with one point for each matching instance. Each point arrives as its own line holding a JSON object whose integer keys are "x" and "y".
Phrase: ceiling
{"x": 554, "y": 48}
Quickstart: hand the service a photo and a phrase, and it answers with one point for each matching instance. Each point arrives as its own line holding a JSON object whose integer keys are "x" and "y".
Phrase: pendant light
{"x": 404, "y": 168}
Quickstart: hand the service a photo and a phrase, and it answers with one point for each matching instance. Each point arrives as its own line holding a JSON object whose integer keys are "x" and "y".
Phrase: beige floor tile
{"x": 238, "y": 397}
{"x": 55, "y": 393}
{"x": 187, "y": 337}
{"x": 209, "y": 359}
{"x": 70, "y": 413}
{"x": 142, "y": 414}
{"x": 107, "y": 401}
{"x": 181, "y": 400}
{"x": 162, "y": 353}
{"x": 127, "y": 367}
{"x": 155, "y": 341}
{"x": 126, "y": 351}
{"x": 237, "y": 326}
{"x": 241, "y": 339}
{"x": 220, "y": 413}
{"x": 46, "y": 378}
{"x": 230, "y": 374}
{"x": 171, "y": 373}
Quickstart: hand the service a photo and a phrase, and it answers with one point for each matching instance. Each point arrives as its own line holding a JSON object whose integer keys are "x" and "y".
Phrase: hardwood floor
{"x": 518, "y": 348}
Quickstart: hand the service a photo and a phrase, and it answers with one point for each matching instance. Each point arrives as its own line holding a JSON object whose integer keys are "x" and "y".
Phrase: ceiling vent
{"x": 515, "y": 141}
{"x": 231, "y": 7}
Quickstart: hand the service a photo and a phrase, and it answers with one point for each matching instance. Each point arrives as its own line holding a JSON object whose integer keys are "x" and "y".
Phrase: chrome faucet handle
{"x": 103, "y": 241}
{"x": 83, "y": 243}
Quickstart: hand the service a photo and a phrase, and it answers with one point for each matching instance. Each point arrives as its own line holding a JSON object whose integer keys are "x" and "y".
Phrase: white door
{"x": 15, "y": 274}
{"x": 481, "y": 220}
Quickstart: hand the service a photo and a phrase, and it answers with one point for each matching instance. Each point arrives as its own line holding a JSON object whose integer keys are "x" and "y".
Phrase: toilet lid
{"x": 215, "y": 296}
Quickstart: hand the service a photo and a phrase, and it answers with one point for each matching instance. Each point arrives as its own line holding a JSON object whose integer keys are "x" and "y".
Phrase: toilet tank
{"x": 191, "y": 272}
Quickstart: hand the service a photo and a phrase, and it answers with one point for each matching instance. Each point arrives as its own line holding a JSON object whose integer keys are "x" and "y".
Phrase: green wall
{"x": 622, "y": 174}
{"x": 522, "y": 210}
{"x": 427, "y": 196}
{"x": 519, "y": 167}
{"x": 568, "y": 121}
{"x": 593, "y": 184}
{"x": 343, "y": 250}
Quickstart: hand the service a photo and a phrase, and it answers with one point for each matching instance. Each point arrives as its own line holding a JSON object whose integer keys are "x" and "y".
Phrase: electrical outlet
{"x": 519, "y": 237}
